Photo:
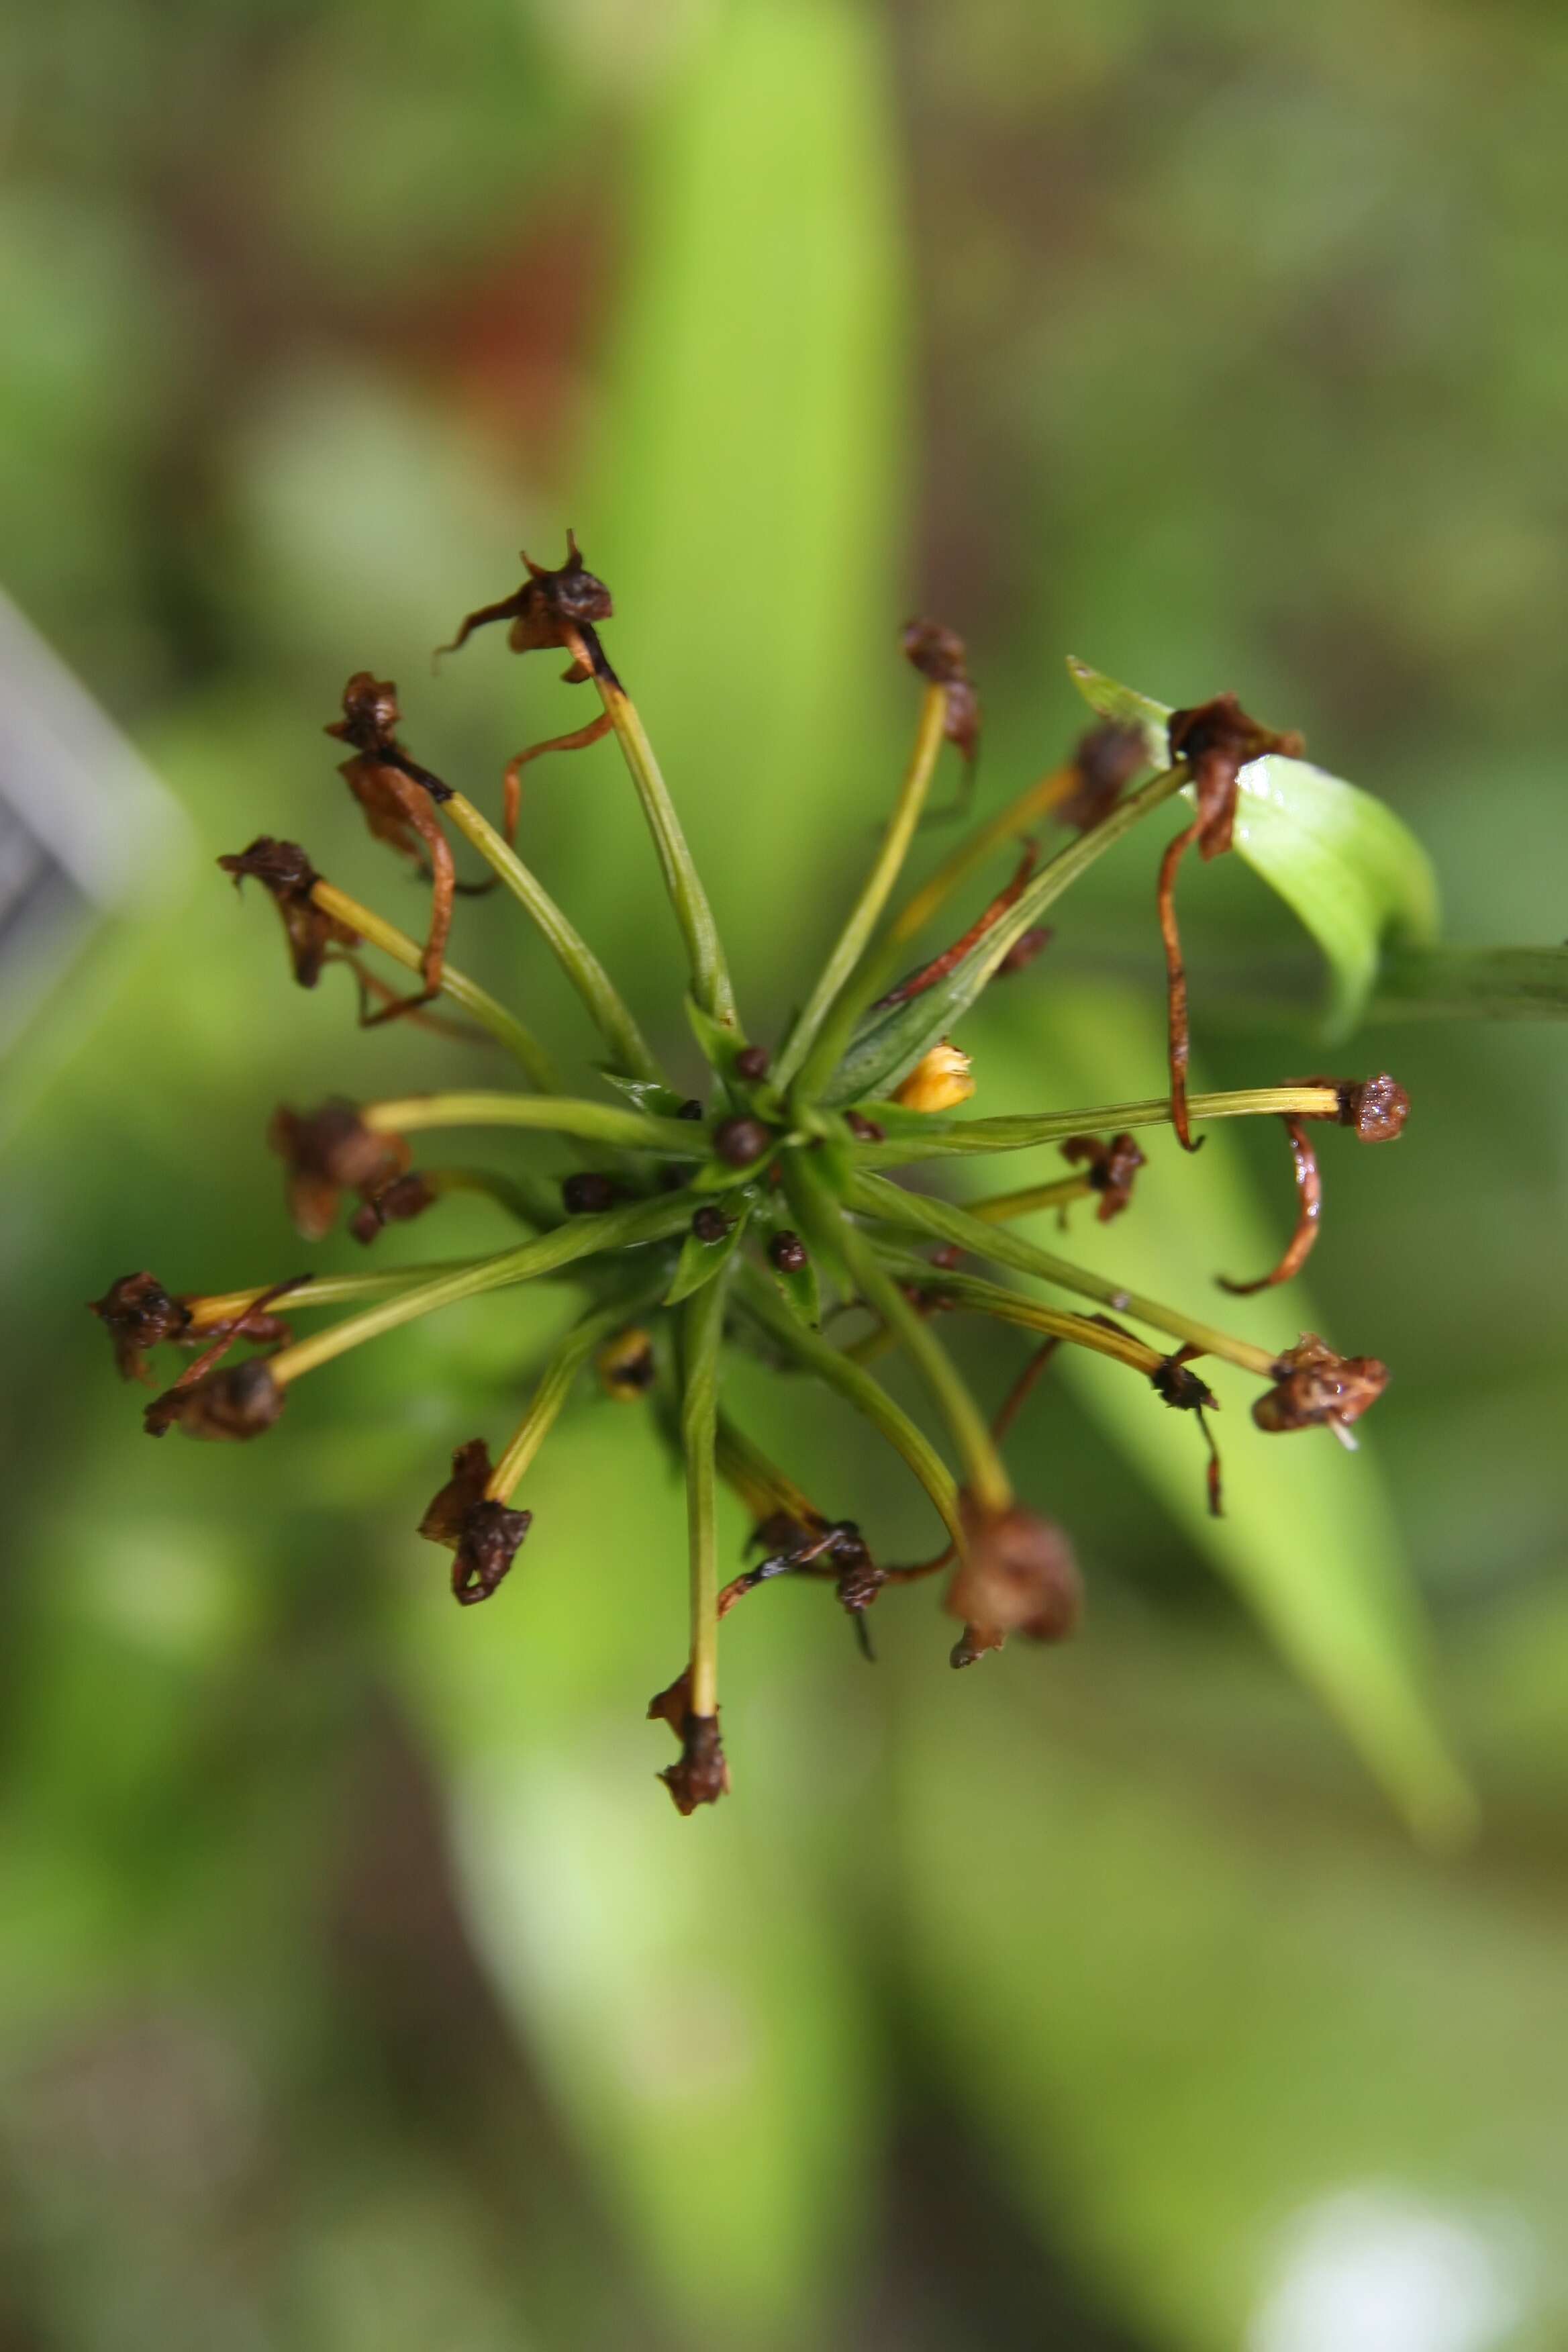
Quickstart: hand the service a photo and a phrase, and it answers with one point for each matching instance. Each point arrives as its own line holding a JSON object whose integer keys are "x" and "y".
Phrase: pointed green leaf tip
{"x": 1351, "y": 872}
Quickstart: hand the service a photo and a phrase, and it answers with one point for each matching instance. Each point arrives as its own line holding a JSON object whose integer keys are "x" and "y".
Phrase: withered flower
{"x": 240, "y": 1401}
{"x": 1377, "y": 1108}
{"x": 703, "y": 1776}
{"x": 1314, "y": 1388}
{"x": 398, "y": 1203}
{"x": 1179, "y": 1386}
{"x": 1110, "y": 1169}
{"x": 329, "y": 1152}
{"x": 395, "y": 795}
{"x": 287, "y": 874}
{"x": 484, "y": 1534}
{"x": 940, "y": 654}
{"x": 1106, "y": 761}
{"x": 138, "y": 1314}
{"x": 1018, "y": 1575}
{"x": 546, "y": 607}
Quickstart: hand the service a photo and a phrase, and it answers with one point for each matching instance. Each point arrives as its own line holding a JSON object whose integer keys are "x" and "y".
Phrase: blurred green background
{"x": 358, "y": 1986}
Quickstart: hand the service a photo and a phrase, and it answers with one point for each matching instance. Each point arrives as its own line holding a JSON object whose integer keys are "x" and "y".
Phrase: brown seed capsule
{"x": 1377, "y": 1108}
{"x": 1315, "y": 1388}
{"x": 740, "y": 1140}
{"x": 788, "y": 1252}
{"x": 484, "y": 1534}
{"x": 941, "y": 655}
{"x": 588, "y": 1194}
{"x": 398, "y": 1203}
{"x": 1110, "y": 1169}
{"x": 1019, "y": 1576}
{"x": 138, "y": 1314}
{"x": 752, "y": 1063}
{"x": 239, "y": 1402}
{"x": 329, "y": 1152}
{"x": 708, "y": 1223}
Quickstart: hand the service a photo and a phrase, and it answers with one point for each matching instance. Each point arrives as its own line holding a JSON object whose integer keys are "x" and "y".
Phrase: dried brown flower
{"x": 239, "y": 1402}
{"x": 329, "y": 1152}
{"x": 1377, "y": 1108}
{"x": 484, "y": 1534}
{"x": 398, "y": 1203}
{"x": 1018, "y": 1575}
{"x": 1106, "y": 759}
{"x": 1109, "y": 1168}
{"x": 287, "y": 874}
{"x": 138, "y": 1314}
{"x": 703, "y": 1776}
{"x": 939, "y": 656}
{"x": 1315, "y": 1388}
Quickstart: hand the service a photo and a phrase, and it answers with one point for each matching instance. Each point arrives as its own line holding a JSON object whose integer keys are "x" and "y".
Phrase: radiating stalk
{"x": 555, "y": 1384}
{"x": 855, "y": 1384}
{"x": 969, "y": 1294}
{"x": 943, "y": 1139}
{"x": 566, "y": 943}
{"x": 985, "y": 1469}
{"x": 822, "y": 1029}
{"x": 476, "y": 1002}
{"x": 702, "y": 1340}
{"x": 580, "y": 1237}
{"x": 668, "y": 1139}
{"x": 704, "y": 950}
{"x": 875, "y": 1197}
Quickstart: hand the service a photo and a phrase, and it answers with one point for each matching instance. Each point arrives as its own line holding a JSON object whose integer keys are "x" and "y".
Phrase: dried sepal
{"x": 288, "y": 875}
{"x": 139, "y": 1315}
{"x": 395, "y": 795}
{"x": 241, "y": 1400}
{"x": 397, "y": 1203}
{"x": 1218, "y": 740}
{"x": 484, "y": 1534}
{"x": 1314, "y": 1389}
{"x": 1108, "y": 1169}
{"x": 701, "y": 1777}
{"x": 1017, "y": 1575}
{"x": 1177, "y": 1385}
{"x": 939, "y": 656}
{"x": 549, "y": 610}
{"x": 329, "y": 1152}
{"x": 1308, "y": 1216}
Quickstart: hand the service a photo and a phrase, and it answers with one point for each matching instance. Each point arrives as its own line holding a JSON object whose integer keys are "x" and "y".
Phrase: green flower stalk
{"x": 762, "y": 1211}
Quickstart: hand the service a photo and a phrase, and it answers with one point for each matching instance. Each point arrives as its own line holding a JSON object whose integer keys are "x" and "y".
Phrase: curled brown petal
{"x": 1109, "y": 1168}
{"x": 940, "y": 966}
{"x": 577, "y": 739}
{"x": 138, "y": 1314}
{"x": 1178, "y": 1028}
{"x": 1309, "y": 1213}
{"x": 241, "y": 1400}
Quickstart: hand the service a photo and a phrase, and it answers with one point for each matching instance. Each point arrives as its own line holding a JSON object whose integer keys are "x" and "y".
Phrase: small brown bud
{"x": 138, "y": 1314}
{"x": 239, "y": 1402}
{"x": 1019, "y": 1576}
{"x": 740, "y": 1140}
{"x": 1377, "y": 1108}
{"x": 708, "y": 1223}
{"x": 1110, "y": 1169}
{"x": 752, "y": 1063}
{"x": 588, "y": 1194}
{"x": 1315, "y": 1388}
{"x": 788, "y": 1252}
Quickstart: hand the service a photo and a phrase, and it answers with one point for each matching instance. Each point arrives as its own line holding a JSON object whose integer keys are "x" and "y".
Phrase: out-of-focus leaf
{"x": 1343, "y": 863}
{"x": 1308, "y": 1538}
{"x": 1473, "y": 984}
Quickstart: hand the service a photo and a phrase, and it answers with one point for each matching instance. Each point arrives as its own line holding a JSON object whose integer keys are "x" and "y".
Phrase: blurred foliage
{"x": 358, "y": 1985}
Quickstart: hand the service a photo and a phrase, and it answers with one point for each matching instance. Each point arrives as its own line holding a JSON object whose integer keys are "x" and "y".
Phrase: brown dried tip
{"x": 1109, "y": 1168}
{"x": 1182, "y": 1389}
{"x": 329, "y": 1152}
{"x": 547, "y": 606}
{"x": 703, "y": 1776}
{"x": 239, "y": 1402}
{"x": 1018, "y": 1575}
{"x": 1314, "y": 1388}
{"x": 484, "y": 1534}
{"x": 1218, "y": 740}
{"x": 1377, "y": 1108}
{"x": 939, "y": 655}
{"x": 1308, "y": 1217}
{"x": 1106, "y": 761}
{"x": 398, "y": 1203}
{"x": 138, "y": 1314}
{"x": 283, "y": 869}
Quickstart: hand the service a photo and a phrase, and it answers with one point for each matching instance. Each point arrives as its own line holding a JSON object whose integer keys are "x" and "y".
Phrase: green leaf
{"x": 649, "y": 1093}
{"x": 1347, "y": 867}
{"x": 1308, "y": 1538}
{"x": 699, "y": 1261}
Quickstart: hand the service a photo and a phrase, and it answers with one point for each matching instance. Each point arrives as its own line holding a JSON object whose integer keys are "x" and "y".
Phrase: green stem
{"x": 967, "y": 1293}
{"x": 816, "y": 1042}
{"x": 640, "y": 1221}
{"x": 667, "y": 1139}
{"x": 942, "y": 1138}
{"x": 566, "y": 943}
{"x": 476, "y": 1002}
{"x": 1001, "y": 1207}
{"x": 555, "y": 1384}
{"x": 984, "y": 1465}
{"x": 874, "y": 1197}
{"x": 867, "y": 1396}
{"x": 704, "y": 950}
{"x": 702, "y": 1335}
